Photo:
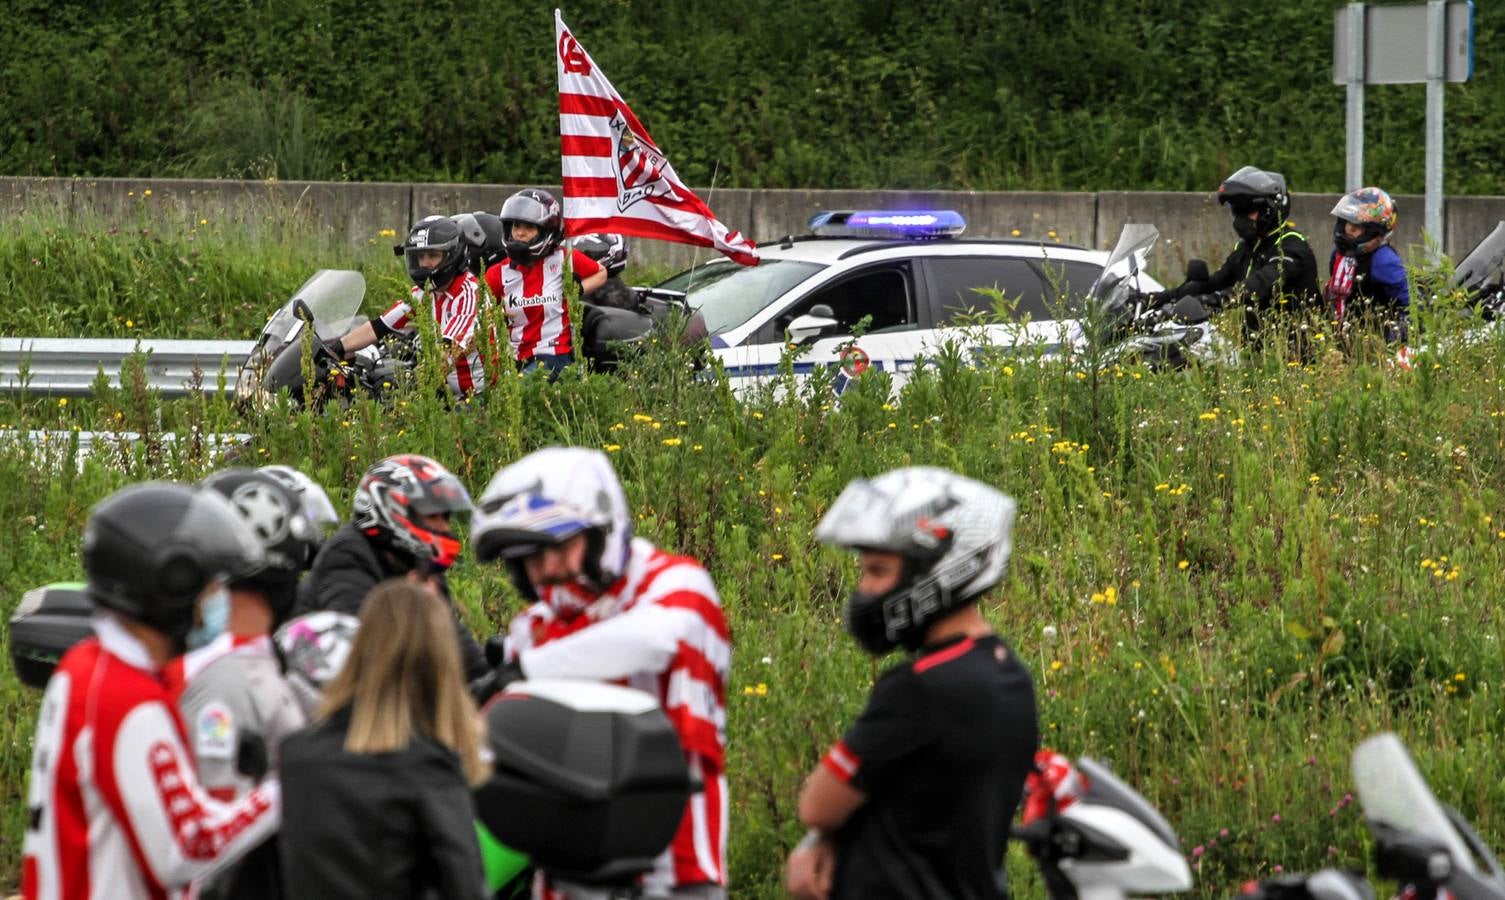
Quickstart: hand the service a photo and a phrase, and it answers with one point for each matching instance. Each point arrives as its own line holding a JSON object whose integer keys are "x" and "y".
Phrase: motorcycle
{"x": 1095, "y": 838}
{"x": 325, "y": 307}
{"x": 1481, "y": 276}
{"x": 1134, "y": 330}
{"x": 1430, "y": 850}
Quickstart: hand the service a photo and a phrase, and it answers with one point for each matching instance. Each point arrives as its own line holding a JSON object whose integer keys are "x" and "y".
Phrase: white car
{"x": 910, "y": 272}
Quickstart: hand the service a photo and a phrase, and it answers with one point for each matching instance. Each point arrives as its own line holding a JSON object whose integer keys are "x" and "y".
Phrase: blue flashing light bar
{"x": 888, "y": 223}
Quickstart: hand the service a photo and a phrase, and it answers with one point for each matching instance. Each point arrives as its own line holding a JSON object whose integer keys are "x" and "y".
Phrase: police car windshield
{"x": 727, "y": 294}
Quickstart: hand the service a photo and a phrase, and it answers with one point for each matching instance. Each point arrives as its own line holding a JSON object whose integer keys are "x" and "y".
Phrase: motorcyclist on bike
{"x": 1271, "y": 274}
{"x": 400, "y": 525}
{"x": 116, "y": 806}
{"x": 610, "y": 252}
{"x": 613, "y": 607}
{"x": 234, "y": 695}
{"x": 437, "y": 255}
{"x": 1367, "y": 280}
{"x": 529, "y": 283}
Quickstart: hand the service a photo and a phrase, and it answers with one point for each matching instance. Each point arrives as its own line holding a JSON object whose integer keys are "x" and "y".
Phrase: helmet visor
{"x": 860, "y": 518}
{"x": 523, "y": 208}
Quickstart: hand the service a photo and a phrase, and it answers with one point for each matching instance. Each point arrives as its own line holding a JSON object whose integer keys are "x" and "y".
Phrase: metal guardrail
{"x": 68, "y": 367}
{"x": 56, "y": 445}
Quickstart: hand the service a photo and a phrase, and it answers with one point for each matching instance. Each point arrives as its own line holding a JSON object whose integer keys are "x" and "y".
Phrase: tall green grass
{"x": 1222, "y": 579}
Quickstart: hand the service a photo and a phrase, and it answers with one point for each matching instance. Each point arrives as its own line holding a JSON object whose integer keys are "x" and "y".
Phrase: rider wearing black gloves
{"x": 1272, "y": 270}
{"x": 400, "y": 526}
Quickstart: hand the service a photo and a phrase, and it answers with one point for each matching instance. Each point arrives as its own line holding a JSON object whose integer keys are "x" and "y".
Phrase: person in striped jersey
{"x": 529, "y": 283}
{"x": 609, "y": 606}
{"x": 437, "y": 257}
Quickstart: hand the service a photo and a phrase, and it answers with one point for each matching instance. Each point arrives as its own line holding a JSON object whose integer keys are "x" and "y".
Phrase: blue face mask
{"x": 214, "y": 614}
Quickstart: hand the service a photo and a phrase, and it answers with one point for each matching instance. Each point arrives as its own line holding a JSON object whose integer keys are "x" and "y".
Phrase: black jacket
{"x": 372, "y": 826}
{"x": 1274, "y": 271}
{"x": 346, "y": 570}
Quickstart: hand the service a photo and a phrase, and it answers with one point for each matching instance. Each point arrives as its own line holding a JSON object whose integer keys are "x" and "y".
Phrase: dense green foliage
{"x": 1222, "y": 580}
{"x": 1001, "y": 94}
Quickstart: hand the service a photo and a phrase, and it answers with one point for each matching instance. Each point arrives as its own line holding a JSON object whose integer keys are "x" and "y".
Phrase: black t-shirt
{"x": 941, "y": 752}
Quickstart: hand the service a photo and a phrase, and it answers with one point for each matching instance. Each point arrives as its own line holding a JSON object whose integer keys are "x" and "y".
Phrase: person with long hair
{"x": 378, "y": 789}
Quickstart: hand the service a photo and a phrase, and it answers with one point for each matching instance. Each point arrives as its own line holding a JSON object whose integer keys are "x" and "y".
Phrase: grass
{"x": 1222, "y": 579}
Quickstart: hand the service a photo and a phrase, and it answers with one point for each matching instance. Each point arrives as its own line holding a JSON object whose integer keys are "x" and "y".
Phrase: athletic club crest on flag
{"x": 616, "y": 178}
{"x": 640, "y": 167}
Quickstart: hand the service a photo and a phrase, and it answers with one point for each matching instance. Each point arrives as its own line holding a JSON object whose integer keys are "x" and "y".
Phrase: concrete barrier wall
{"x": 1192, "y": 223}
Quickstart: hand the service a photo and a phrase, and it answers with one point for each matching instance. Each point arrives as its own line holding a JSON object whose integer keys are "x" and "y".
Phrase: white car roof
{"x": 829, "y": 250}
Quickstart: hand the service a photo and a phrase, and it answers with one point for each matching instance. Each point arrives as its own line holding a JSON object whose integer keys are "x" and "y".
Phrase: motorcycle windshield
{"x": 333, "y": 296}
{"x": 1128, "y": 256}
{"x": 1484, "y": 263}
{"x": 1391, "y": 791}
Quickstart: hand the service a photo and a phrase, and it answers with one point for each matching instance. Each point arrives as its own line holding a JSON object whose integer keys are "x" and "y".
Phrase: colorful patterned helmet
{"x": 314, "y": 648}
{"x": 1372, "y": 210}
{"x": 394, "y": 496}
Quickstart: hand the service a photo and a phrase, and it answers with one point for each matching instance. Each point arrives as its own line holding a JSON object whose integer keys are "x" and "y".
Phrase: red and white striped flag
{"x": 615, "y": 177}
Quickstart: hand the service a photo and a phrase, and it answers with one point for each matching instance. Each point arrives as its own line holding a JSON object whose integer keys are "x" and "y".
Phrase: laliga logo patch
{"x": 640, "y": 167}
{"x": 216, "y": 732}
{"x": 572, "y": 56}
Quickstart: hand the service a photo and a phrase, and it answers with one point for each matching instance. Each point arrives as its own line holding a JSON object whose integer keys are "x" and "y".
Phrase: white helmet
{"x": 954, "y": 534}
{"x": 546, "y": 498}
{"x": 314, "y": 648}
{"x": 313, "y": 502}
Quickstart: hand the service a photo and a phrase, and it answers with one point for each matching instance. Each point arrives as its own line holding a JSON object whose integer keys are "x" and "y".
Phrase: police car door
{"x": 881, "y": 293}
{"x": 1037, "y": 313}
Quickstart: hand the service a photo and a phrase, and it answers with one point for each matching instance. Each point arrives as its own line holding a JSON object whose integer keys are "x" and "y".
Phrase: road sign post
{"x": 1431, "y": 43}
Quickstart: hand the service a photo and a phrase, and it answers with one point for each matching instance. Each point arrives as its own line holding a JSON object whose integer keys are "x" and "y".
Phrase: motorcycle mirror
{"x": 301, "y": 310}
{"x": 1196, "y": 270}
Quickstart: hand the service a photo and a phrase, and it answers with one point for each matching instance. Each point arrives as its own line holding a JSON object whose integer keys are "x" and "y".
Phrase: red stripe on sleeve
{"x": 842, "y": 762}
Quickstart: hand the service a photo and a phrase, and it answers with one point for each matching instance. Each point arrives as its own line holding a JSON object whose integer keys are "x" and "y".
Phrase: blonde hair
{"x": 403, "y": 676}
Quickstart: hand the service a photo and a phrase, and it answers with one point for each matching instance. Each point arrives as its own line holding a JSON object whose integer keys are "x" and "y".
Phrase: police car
{"x": 910, "y": 274}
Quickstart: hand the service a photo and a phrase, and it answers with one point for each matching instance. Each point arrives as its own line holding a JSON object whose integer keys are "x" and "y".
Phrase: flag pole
{"x": 710, "y": 195}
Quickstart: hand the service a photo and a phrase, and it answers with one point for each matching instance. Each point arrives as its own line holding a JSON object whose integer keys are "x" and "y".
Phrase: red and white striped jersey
{"x": 538, "y": 318}
{"x": 456, "y": 309}
{"x": 115, "y": 806}
{"x": 660, "y": 629}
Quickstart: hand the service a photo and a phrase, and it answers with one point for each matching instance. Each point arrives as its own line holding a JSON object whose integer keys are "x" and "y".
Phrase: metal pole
{"x": 1436, "y": 56}
{"x": 1354, "y": 121}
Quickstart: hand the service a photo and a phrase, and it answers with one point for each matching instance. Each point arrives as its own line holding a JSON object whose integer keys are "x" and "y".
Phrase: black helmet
{"x": 287, "y": 537}
{"x": 1251, "y": 189}
{"x": 434, "y": 233}
{"x": 151, "y": 549}
{"x": 538, "y": 208}
{"x": 485, "y": 237}
{"x": 610, "y": 250}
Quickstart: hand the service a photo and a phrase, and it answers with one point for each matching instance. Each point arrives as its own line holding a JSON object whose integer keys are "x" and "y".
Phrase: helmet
{"x": 1255, "y": 189}
{"x": 287, "y": 538}
{"x": 534, "y": 207}
{"x": 610, "y": 250}
{"x": 952, "y": 532}
{"x": 434, "y": 233}
{"x": 313, "y": 503}
{"x": 1371, "y": 209}
{"x": 546, "y": 498}
{"x": 314, "y": 648}
{"x": 485, "y": 238}
{"x": 151, "y": 549}
{"x": 393, "y": 495}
